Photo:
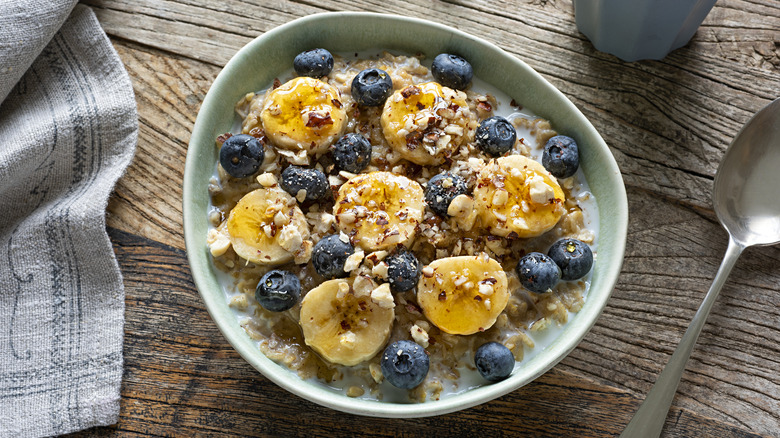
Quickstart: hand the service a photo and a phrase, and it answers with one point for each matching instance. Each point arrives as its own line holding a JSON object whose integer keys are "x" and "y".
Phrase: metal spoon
{"x": 747, "y": 202}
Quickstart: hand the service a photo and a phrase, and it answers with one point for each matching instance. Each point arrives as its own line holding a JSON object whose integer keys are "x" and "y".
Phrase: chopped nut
{"x": 485, "y": 288}
{"x": 353, "y": 261}
{"x": 380, "y": 270}
{"x": 383, "y": 297}
{"x": 346, "y": 175}
{"x": 539, "y": 191}
{"x": 303, "y": 254}
{"x": 355, "y": 391}
{"x": 376, "y": 256}
{"x": 239, "y": 302}
{"x": 462, "y": 209}
{"x": 348, "y": 340}
{"x": 363, "y": 286}
{"x": 218, "y": 242}
{"x": 348, "y": 217}
{"x": 343, "y": 290}
{"x": 419, "y": 335}
{"x": 281, "y": 219}
{"x": 376, "y": 372}
{"x": 290, "y": 238}
{"x": 266, "y": 179}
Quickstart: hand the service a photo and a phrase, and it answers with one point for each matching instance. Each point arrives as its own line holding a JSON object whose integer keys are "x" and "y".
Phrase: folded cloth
{"x": 68, "y": 126}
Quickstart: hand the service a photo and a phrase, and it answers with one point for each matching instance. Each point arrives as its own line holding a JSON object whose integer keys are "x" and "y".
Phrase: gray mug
{"x": 640, "y": 29}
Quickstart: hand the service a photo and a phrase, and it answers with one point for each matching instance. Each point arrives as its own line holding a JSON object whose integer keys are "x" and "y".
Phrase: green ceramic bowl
{"x": 259, "y": 62}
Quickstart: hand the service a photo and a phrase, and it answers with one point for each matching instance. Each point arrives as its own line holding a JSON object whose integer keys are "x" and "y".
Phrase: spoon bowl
{"x": 747, "y": 203}
{"x": 745, "y": 192}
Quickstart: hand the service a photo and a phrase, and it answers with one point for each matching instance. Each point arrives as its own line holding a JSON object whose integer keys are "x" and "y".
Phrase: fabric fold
{"x": 26, "y": 27}
{"x": 69, "y": 129}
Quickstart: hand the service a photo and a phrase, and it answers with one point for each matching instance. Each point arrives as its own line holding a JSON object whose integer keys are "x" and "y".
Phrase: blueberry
{"x": 329, "y": 256}
{"x": 371, "y": 87}
{"x": 537, "y": 272}
{"x": 352, "y": 153}
{"x": 295, "y": 179}
{"x": 314, "y": 63}
{"x": 573, "y": 257}
{"x": 241, "y": 155}
{"x": 404, "y": 364}
{"x": 403, "y": 271}
{"x": 494, "y": 361}
{"x": 561, "y": 156}
{"x": 452, "y": 71}
{"x": 278, "y": 290}
{"x": 495, "y": 136}
{"x": 441, "y": 190}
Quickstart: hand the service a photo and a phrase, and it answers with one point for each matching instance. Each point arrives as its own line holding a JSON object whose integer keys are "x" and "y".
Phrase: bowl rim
{"x": 198, "y": 256}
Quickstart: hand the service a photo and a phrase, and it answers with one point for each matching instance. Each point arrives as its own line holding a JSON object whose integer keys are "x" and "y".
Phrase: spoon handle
{"x": 651, "y": 416}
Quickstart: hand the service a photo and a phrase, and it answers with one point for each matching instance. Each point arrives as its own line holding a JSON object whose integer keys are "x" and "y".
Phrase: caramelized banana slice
{"x": 379, "y": 210}
{"x": 303, "y": 114}
{"x": 427, "y": 123}
{"x": 266, "y": 227}
{"x": 515, "y": 194}
{"x": 463, "y": 295}
{"x": 345, "y": 328}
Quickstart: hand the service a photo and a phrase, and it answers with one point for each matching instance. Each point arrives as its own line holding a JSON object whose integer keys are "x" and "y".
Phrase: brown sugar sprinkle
{"x": 223, "y": 138}
{"x": 317, "y": 120}
{"x": 277, "y": 83}
{"x": 345, "y": 325}
{"x": 410, "y": 91}
{"x": 337, "y": 103}
{"x": 257, "y": 132}
{"x": 443, "y": 296}
{"x": 413, "y": 139}
{"x": 484, "y": 106}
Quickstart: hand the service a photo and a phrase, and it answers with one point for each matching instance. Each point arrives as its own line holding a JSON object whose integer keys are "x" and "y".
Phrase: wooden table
{"x": 667, "y": 123}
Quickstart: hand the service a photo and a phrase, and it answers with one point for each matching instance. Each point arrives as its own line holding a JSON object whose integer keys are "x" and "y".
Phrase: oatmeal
{"x": 389, "y": 212}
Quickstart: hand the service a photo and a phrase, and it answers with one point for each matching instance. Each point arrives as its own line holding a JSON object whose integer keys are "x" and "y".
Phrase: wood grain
{"x": 183, "y": 379}
{"x": 667, "y": 123}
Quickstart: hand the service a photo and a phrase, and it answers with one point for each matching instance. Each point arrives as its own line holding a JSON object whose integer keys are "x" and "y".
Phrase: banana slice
{"x": 345, "y": 328}
{"x": 304, "y": 114}
{"x": 266, "y": 227}
{"x": 379, "y": 210}
{"x": 427, "y": 123}
{"x": 463, "y": 295}
{"x": 516, "y": 194}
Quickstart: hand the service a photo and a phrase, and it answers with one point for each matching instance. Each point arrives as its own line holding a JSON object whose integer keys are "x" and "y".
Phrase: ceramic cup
{"x": 634, "y": 30}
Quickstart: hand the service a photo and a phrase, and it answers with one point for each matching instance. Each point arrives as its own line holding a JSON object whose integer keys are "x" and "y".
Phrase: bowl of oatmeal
{"x": 385, "y": 211}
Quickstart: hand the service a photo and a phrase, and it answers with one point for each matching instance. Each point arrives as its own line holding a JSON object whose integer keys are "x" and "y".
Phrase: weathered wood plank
{"x": 183, "y": 379}
{"x": 169, "y": 91}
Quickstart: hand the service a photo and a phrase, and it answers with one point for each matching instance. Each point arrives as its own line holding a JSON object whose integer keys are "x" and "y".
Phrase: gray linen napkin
{"x": 68, "y": 129}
